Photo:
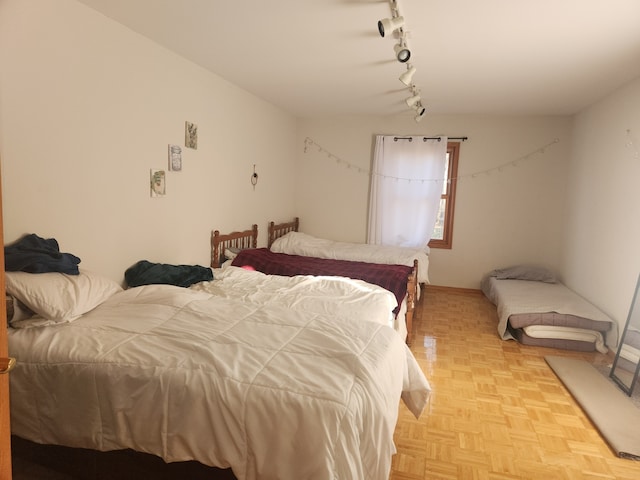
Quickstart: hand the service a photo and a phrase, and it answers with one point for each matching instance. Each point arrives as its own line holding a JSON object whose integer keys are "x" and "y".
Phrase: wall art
{"x": 158, "y": 183}
{"x": 175, "y": 158}
{"x": 191, "y": 135}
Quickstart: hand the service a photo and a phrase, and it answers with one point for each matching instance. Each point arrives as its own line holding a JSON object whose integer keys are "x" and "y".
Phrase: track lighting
{"x": 412, "y": 101}
{"x": 395, "y": 26}
{"x": 402, "y": 52}
{"x": 389, "y": 25}
{"x": 408, "y": 75}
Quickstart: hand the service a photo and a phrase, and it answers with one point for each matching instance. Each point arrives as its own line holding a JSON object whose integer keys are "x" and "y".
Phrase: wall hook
{"x": 254, "y": 177}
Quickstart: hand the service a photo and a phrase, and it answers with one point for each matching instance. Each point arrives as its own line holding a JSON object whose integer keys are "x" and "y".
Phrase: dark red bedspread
{"x": 391, "y": 277}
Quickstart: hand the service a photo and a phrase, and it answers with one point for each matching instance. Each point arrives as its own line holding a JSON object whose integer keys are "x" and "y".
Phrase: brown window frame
{"x": 453, "y": 149}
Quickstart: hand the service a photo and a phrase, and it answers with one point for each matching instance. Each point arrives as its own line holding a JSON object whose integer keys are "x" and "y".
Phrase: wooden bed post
{"x": 276, "y": 231}
{"x": 412, "y": 295}
{"x": 254, "y": 236}
{"x": 270, "y": 228}
{"x": 215, "y": 252}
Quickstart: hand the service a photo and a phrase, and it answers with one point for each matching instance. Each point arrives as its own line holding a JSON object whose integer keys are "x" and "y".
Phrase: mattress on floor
{"x": 521, "y": 336}
{"x": 521, "y": 320}
{"x": 571, "y": 322}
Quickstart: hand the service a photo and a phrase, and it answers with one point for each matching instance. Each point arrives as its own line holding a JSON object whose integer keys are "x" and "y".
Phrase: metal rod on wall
{"x": 424, "y": 139}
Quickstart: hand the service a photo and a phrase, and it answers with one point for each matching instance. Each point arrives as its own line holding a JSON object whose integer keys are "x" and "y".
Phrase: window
{"x": 442, "y": 236}
{"x": 402, "y": 211}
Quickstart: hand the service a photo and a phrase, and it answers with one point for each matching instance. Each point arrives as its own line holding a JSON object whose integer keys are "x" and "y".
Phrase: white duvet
{"x": 297, "y": 243}
{"x": 342, "y": 297}
{"x": 270, "y": 391}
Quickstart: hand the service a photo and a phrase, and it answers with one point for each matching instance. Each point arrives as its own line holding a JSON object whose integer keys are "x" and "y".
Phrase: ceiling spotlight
{"x": 421, "y": 112}
{"x": 411, "y": 101}
{"x": 408, "y": 75}
{"x": 402, "y": 52}
{"x": 390, "y": 25}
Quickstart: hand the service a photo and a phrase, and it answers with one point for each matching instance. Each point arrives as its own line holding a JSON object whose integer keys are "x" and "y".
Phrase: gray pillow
{"x": 525, "y": 272}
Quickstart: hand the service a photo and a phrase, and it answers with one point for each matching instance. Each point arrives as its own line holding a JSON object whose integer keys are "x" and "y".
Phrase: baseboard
{"x": 457, "y": 290}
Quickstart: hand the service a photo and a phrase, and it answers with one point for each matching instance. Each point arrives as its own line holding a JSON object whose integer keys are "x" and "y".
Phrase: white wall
{"x": 602, "y": 242}
{"x": 503, "y": 218}
{"x": 88, "y": 107}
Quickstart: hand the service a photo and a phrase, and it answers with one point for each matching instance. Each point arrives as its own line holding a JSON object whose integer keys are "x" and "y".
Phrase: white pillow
{"x": 231, "y": 253}
{"x": 60, "y": 297}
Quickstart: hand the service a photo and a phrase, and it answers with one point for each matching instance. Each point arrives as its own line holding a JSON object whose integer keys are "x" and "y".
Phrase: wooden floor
{"x": 497, "y": 411}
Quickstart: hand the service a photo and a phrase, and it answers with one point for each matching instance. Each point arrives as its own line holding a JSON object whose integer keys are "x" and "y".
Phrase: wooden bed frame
{"x": 280, "y": 229}
{"x": 244, "y": 239}
{"x": 277, "y": 230}
{"x": 412, "y": 297}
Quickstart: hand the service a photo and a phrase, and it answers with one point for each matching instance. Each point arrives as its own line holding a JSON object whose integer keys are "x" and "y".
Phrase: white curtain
{"x": 406, "y": 185}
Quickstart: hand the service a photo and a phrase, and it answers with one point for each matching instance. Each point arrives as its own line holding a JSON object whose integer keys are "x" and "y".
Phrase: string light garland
{"x": 309, "y": 143}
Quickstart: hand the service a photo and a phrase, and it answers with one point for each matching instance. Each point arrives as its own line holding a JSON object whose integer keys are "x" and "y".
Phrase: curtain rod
{"x": 424, "y": 139}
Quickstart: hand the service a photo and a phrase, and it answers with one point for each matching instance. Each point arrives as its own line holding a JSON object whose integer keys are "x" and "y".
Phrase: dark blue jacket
{"x": 34, "y": 254}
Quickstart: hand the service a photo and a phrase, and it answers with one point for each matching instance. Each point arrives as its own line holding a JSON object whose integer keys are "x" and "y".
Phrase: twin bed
{"x": 271, "y": 376}
{"x": 286, "y": 238}
{"x": 536, "y": 309}
{"x": 292, "y": 253}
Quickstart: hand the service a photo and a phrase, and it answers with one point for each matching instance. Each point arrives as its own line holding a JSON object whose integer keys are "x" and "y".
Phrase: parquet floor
{"x": 497, "y": 411}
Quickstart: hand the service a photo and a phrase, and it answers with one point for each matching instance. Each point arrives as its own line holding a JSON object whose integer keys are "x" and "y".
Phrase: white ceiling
{"x": 325, "y": 57}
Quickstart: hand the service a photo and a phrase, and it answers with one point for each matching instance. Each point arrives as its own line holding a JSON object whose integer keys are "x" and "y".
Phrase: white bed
{"x": 226, "y": 247}
{"x": 226, "y": 374}
{"x": 298, "y": 243}
{"x": 536, "y": 309}
{"x": 285, "y": 238}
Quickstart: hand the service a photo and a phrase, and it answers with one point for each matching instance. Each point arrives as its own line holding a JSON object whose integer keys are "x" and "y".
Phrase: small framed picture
{"x": 175, "y": 158}
{"x": 158, "y": 185}
{"x": 191, "y": 135}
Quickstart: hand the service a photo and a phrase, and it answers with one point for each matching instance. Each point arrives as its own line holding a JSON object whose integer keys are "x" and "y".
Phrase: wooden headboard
{"x": 278, "y": 230}
{"x": 244, "y": 239}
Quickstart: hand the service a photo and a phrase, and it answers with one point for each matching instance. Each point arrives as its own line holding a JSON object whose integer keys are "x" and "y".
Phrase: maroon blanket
{"x": 391, "y": 277}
